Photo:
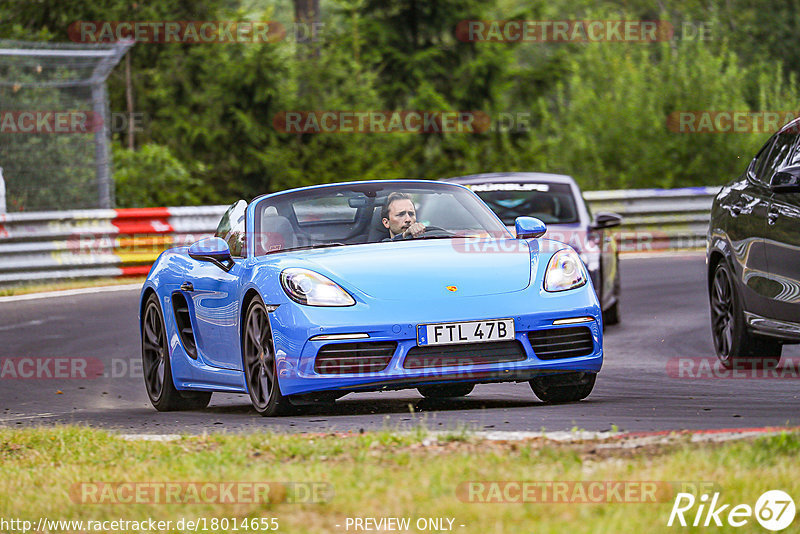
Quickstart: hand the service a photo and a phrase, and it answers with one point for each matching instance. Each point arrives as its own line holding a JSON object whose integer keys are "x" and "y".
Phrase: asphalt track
{"x": 665, "y": 324}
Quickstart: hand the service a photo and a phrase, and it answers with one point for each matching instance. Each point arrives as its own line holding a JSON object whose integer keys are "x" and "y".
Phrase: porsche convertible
{"x": 305, "y": 295}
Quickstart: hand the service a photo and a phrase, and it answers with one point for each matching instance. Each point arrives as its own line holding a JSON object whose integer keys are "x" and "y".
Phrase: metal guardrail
{"x": 658, "y": 219}
{"x": 44, "y": 246}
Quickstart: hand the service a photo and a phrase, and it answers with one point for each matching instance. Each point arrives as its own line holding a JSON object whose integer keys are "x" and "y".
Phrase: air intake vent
{"x": 558, "y": 343}
{"x": 184, "y": 324}
{"x": 364, "y": 357}
{"x": 466, "y": 354}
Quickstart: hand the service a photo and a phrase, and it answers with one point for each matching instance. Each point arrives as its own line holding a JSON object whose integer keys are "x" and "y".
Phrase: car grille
{"x": 558, "y": 343}
{"x": 341, "y": 358}
{"x": 466, "y": 354}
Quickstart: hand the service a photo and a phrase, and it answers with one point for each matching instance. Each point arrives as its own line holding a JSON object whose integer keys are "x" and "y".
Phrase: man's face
{"x": 401, "y": 215}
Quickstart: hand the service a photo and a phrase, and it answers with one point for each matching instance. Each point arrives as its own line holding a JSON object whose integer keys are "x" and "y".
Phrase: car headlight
{"x": 313, "y": 289}
{"x": 565, "y": 271}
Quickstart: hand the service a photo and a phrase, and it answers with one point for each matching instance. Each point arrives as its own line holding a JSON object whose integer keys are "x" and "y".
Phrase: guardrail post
{"x": 101, "y": 146}
{"x": 2, "y": 193}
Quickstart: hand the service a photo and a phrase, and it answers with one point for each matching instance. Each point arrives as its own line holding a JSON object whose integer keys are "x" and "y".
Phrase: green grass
{"x": 380, "y": 474}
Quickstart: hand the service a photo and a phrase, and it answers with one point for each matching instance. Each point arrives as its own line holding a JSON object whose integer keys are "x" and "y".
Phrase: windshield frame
{"x": 372, "y": 189}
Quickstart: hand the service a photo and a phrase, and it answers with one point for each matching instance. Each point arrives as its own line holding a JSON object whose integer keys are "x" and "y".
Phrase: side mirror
{"x": 214, "y": 250}
{"x": 606, "y": 219}
{"x": 528, "y": 227}
{"x": 786, "y": 180}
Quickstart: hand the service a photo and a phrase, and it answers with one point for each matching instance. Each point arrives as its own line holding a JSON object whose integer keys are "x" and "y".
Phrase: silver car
{"x": 557, "y": 200}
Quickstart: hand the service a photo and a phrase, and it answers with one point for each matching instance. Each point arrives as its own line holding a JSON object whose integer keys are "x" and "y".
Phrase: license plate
{"x": 466, "y": 332}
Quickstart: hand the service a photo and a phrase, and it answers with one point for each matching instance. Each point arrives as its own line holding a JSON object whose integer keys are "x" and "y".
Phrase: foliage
{"x": 153, "y": 177}
{"x": 47, "y": 171}
{"x": 598, "y": 111}
{"x": 612, "y": 113}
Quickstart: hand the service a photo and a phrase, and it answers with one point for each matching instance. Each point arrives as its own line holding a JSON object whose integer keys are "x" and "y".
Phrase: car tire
{"x": 563, "y": 387}
{"x": 443, "y": 391}
{"x": 260, "y": 366}
{"x": 611, "y": 316}
{"x": 733, "y": 343}
{"x": 157, "y": 368}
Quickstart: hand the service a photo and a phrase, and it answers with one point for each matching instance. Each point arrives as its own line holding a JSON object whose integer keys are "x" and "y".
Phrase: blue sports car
{"x": 306, "y": 295}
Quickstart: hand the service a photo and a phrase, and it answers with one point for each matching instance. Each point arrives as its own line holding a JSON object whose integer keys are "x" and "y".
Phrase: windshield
{"x": 349, "y": 214}
{"x": 551, "y": 203}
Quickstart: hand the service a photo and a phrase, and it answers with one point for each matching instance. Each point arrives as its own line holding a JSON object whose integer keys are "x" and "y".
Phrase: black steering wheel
{"x": 436, "y": 231}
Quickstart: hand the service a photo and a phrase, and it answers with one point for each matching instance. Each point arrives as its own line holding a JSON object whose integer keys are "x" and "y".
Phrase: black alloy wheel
{"x": 734, "y": 344}
{"x": 722, "y": 314}
{"x": 259, "y": 362}
{"x": 157, "y": 368}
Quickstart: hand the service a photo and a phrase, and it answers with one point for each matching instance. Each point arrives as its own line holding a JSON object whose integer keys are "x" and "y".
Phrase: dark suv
{"x": 754, "y": 255}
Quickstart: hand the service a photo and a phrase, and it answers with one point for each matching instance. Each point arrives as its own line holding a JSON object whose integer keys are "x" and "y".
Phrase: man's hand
{"x": 415, "y": 230}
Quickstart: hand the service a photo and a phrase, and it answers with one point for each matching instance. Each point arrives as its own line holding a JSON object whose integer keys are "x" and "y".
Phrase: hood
{"x": 423, "y": 270}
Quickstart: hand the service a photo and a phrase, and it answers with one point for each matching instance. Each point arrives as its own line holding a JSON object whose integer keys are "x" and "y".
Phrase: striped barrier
{"x": 44, "y": 246}
{"x": 96, "y": 243}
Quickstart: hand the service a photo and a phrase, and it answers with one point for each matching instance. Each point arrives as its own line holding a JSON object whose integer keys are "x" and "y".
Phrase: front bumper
{"x": 293, "y": 326}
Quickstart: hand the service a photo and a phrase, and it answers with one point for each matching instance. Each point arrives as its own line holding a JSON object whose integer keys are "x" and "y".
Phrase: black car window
{"x": 795, "y": 157}
{"x": 757, "y": 167}
{"x": 553, "y": 203}
{"x": 231, "y": 228}
{"x": 780, "y": 155}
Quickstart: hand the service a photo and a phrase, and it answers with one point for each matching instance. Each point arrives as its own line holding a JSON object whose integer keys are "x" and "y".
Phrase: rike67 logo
{"x": 774, "y": 511}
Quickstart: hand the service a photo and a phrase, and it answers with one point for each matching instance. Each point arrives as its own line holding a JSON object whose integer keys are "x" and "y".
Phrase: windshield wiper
{"x": 308, "y": 247}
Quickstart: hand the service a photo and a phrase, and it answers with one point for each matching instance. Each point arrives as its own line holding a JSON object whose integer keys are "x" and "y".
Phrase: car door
{"x": 214, "y": 295}
{"x": 747, "y": 209}
{"x": 782, "y": 245}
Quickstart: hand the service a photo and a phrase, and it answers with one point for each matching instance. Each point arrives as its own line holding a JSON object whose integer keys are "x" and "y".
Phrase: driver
{"x": 400, "y": 217}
